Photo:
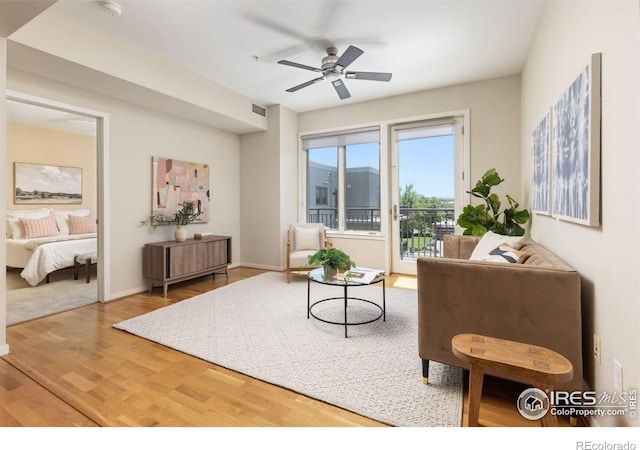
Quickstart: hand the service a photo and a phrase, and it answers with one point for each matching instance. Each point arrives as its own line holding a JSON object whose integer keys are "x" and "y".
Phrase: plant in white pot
{"x": 183, "y": 217}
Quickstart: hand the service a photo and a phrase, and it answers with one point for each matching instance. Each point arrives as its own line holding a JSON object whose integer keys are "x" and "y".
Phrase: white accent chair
{"x": 304, "y": 239}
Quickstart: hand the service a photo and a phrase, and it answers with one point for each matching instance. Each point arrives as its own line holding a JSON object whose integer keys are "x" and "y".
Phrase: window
{"x": 322, "y": 195}
{"x": 343, "y": 179}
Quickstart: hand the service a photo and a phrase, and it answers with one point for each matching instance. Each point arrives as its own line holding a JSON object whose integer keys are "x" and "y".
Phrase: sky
{"x": 428, "y": 163}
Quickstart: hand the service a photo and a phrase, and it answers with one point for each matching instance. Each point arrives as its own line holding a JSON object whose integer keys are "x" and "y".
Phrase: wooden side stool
{"x": 542, "y": 366}
{"x": 85, "y": 259}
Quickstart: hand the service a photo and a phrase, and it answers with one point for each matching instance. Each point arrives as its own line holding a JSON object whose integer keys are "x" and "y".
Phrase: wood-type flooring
{"x": 74, "y": 369}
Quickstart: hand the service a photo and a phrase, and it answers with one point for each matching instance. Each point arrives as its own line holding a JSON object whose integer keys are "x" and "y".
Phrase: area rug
{"x": 259, "y": 327}
{"x": 62, "y": 293}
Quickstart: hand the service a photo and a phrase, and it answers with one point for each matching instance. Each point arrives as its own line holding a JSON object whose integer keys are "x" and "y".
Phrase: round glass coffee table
{"x": 317, "y": 276}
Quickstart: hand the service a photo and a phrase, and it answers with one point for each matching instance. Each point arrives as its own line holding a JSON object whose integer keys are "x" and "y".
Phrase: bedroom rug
{"x": 62, "y": 293}
{"x": 259, "y": 327}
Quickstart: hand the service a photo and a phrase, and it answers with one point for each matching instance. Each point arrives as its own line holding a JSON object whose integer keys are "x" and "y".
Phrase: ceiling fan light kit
{"x": 111, "y": 8}
{"x": 332, "y": 69}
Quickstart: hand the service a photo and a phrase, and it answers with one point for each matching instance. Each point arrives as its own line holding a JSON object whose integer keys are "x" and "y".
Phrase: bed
{"x": 70, "y": 233}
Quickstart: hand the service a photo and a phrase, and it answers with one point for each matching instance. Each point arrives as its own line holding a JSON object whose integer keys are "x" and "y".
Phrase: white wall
{"x": 260, "y": 195}
{"x": 135, "y": 135}
{"x": 605, "y": 256}
{"x": 289, "y": 192}
{"x": 269, "y": 189}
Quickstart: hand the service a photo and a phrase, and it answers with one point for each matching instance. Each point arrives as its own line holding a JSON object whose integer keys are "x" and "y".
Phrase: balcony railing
{"x": 421, "y": 229}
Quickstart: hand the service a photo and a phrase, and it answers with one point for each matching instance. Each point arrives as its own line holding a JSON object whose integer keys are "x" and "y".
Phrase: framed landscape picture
{"x": 176, "y": 182}
{"x": 46, "y": 184}
{"x": 541, "y": 162}
{"x": 575, "y": 144}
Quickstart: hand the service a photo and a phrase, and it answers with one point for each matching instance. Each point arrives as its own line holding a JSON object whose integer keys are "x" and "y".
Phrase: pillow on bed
{"x": 62, "y": 217}
{"x": 82, "y": 224}
{"x": 15, "y": 229}
{"x": 36, "y": 228}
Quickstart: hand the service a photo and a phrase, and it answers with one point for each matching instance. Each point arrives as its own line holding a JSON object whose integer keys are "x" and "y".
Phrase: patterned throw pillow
{"x": 307, "y": 238}
{"x": 82, "y": 224}
{"x": 37, "y": 228}
{"x": 490, "y": 241}
{"x": 504, "y": 253}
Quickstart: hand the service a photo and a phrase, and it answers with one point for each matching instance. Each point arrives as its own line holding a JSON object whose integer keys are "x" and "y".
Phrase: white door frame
{"x": 462, "y": 169}
{"x": 102, "y": 144}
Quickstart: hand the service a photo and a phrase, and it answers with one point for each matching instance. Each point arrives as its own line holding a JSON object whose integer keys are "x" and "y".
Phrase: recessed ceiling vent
{"x": 259, "y": 110}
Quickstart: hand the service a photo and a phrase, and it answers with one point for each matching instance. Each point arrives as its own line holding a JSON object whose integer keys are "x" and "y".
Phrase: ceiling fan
{"x": 333, "y": 68}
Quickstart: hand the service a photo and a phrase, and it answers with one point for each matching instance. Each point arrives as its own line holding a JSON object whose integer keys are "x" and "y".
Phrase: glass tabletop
{"x": 356, "y": 276}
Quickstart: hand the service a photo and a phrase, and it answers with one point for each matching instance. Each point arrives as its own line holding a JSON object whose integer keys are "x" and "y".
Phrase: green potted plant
{"x": 184, "y": 216}
{"x": 333, "y": 260}
{"x": 477, "y": 220}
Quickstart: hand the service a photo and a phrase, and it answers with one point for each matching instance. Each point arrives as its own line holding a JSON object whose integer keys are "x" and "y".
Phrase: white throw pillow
{"x": 490, "y": 241}
{"x": 62, "y": 217}
{"x": 307, "y": 238}
{"x": 15, "y": 229}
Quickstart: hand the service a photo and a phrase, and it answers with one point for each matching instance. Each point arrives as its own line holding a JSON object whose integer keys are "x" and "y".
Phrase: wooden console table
{"x": 169, "y": 262}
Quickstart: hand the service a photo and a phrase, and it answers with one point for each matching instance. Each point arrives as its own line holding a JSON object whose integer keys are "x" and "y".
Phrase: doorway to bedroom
{"x": 52, "y": 172}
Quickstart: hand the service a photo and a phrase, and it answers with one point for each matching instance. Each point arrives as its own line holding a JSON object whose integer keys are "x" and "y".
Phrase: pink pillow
{"x": 82, "y": 224}
{"x": 36, "y": 228}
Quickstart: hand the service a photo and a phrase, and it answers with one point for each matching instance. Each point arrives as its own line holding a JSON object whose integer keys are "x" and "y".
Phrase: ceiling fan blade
{"x": 350, "y": 55}
{"x": 375, "y": 76}
{"x": 299, "y": 66}
{"x": 303, "y": 85}
{"x": 341, "y": 89}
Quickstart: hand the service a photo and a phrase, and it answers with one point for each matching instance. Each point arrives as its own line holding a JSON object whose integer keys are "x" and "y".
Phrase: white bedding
{"x": 48, "y": 254}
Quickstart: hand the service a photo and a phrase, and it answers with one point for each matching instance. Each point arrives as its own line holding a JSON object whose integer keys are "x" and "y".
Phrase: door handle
{"x": 395, "y": 212}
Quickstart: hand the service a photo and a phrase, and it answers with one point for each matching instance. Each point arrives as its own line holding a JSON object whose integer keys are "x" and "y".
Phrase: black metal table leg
{"x": 384, "y": 301}
{"x": 345, "y": 310}
{"x": 308, "y": 296}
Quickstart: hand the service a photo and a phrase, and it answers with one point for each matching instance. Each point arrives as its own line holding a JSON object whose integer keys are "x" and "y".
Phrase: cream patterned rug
{"x": 259, "y": 327}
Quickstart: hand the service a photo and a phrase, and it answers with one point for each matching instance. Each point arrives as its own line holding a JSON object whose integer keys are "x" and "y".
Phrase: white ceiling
{"x": 425, "y": 43}
{"x": 18, "y": 112}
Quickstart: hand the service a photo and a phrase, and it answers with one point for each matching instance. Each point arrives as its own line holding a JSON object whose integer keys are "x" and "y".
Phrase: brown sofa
{"x": 536, "y": 302}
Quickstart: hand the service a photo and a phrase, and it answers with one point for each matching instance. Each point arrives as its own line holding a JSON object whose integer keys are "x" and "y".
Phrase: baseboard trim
{"x": 263, "y": 267}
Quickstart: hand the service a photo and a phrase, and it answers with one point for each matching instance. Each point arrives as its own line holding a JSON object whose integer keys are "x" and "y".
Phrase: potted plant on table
{"x": 183, "y": 217}
{"x": 332, "y": 260}
{"x": 477, "y": 220}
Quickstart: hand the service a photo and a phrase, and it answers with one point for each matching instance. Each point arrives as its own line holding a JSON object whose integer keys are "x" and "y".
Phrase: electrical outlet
{"x": 617, "y": 375}
{"x": 596, "y": 349}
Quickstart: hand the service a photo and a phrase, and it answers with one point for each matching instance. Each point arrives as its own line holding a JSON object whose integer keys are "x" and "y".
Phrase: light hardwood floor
{"x": 74, "y": 369}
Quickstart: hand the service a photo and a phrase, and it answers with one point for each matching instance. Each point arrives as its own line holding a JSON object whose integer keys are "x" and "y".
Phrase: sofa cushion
{"x": 537, "y": 255}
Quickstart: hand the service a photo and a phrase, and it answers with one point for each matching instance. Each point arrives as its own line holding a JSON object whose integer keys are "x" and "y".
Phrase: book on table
{"x": 362, "y": 275}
